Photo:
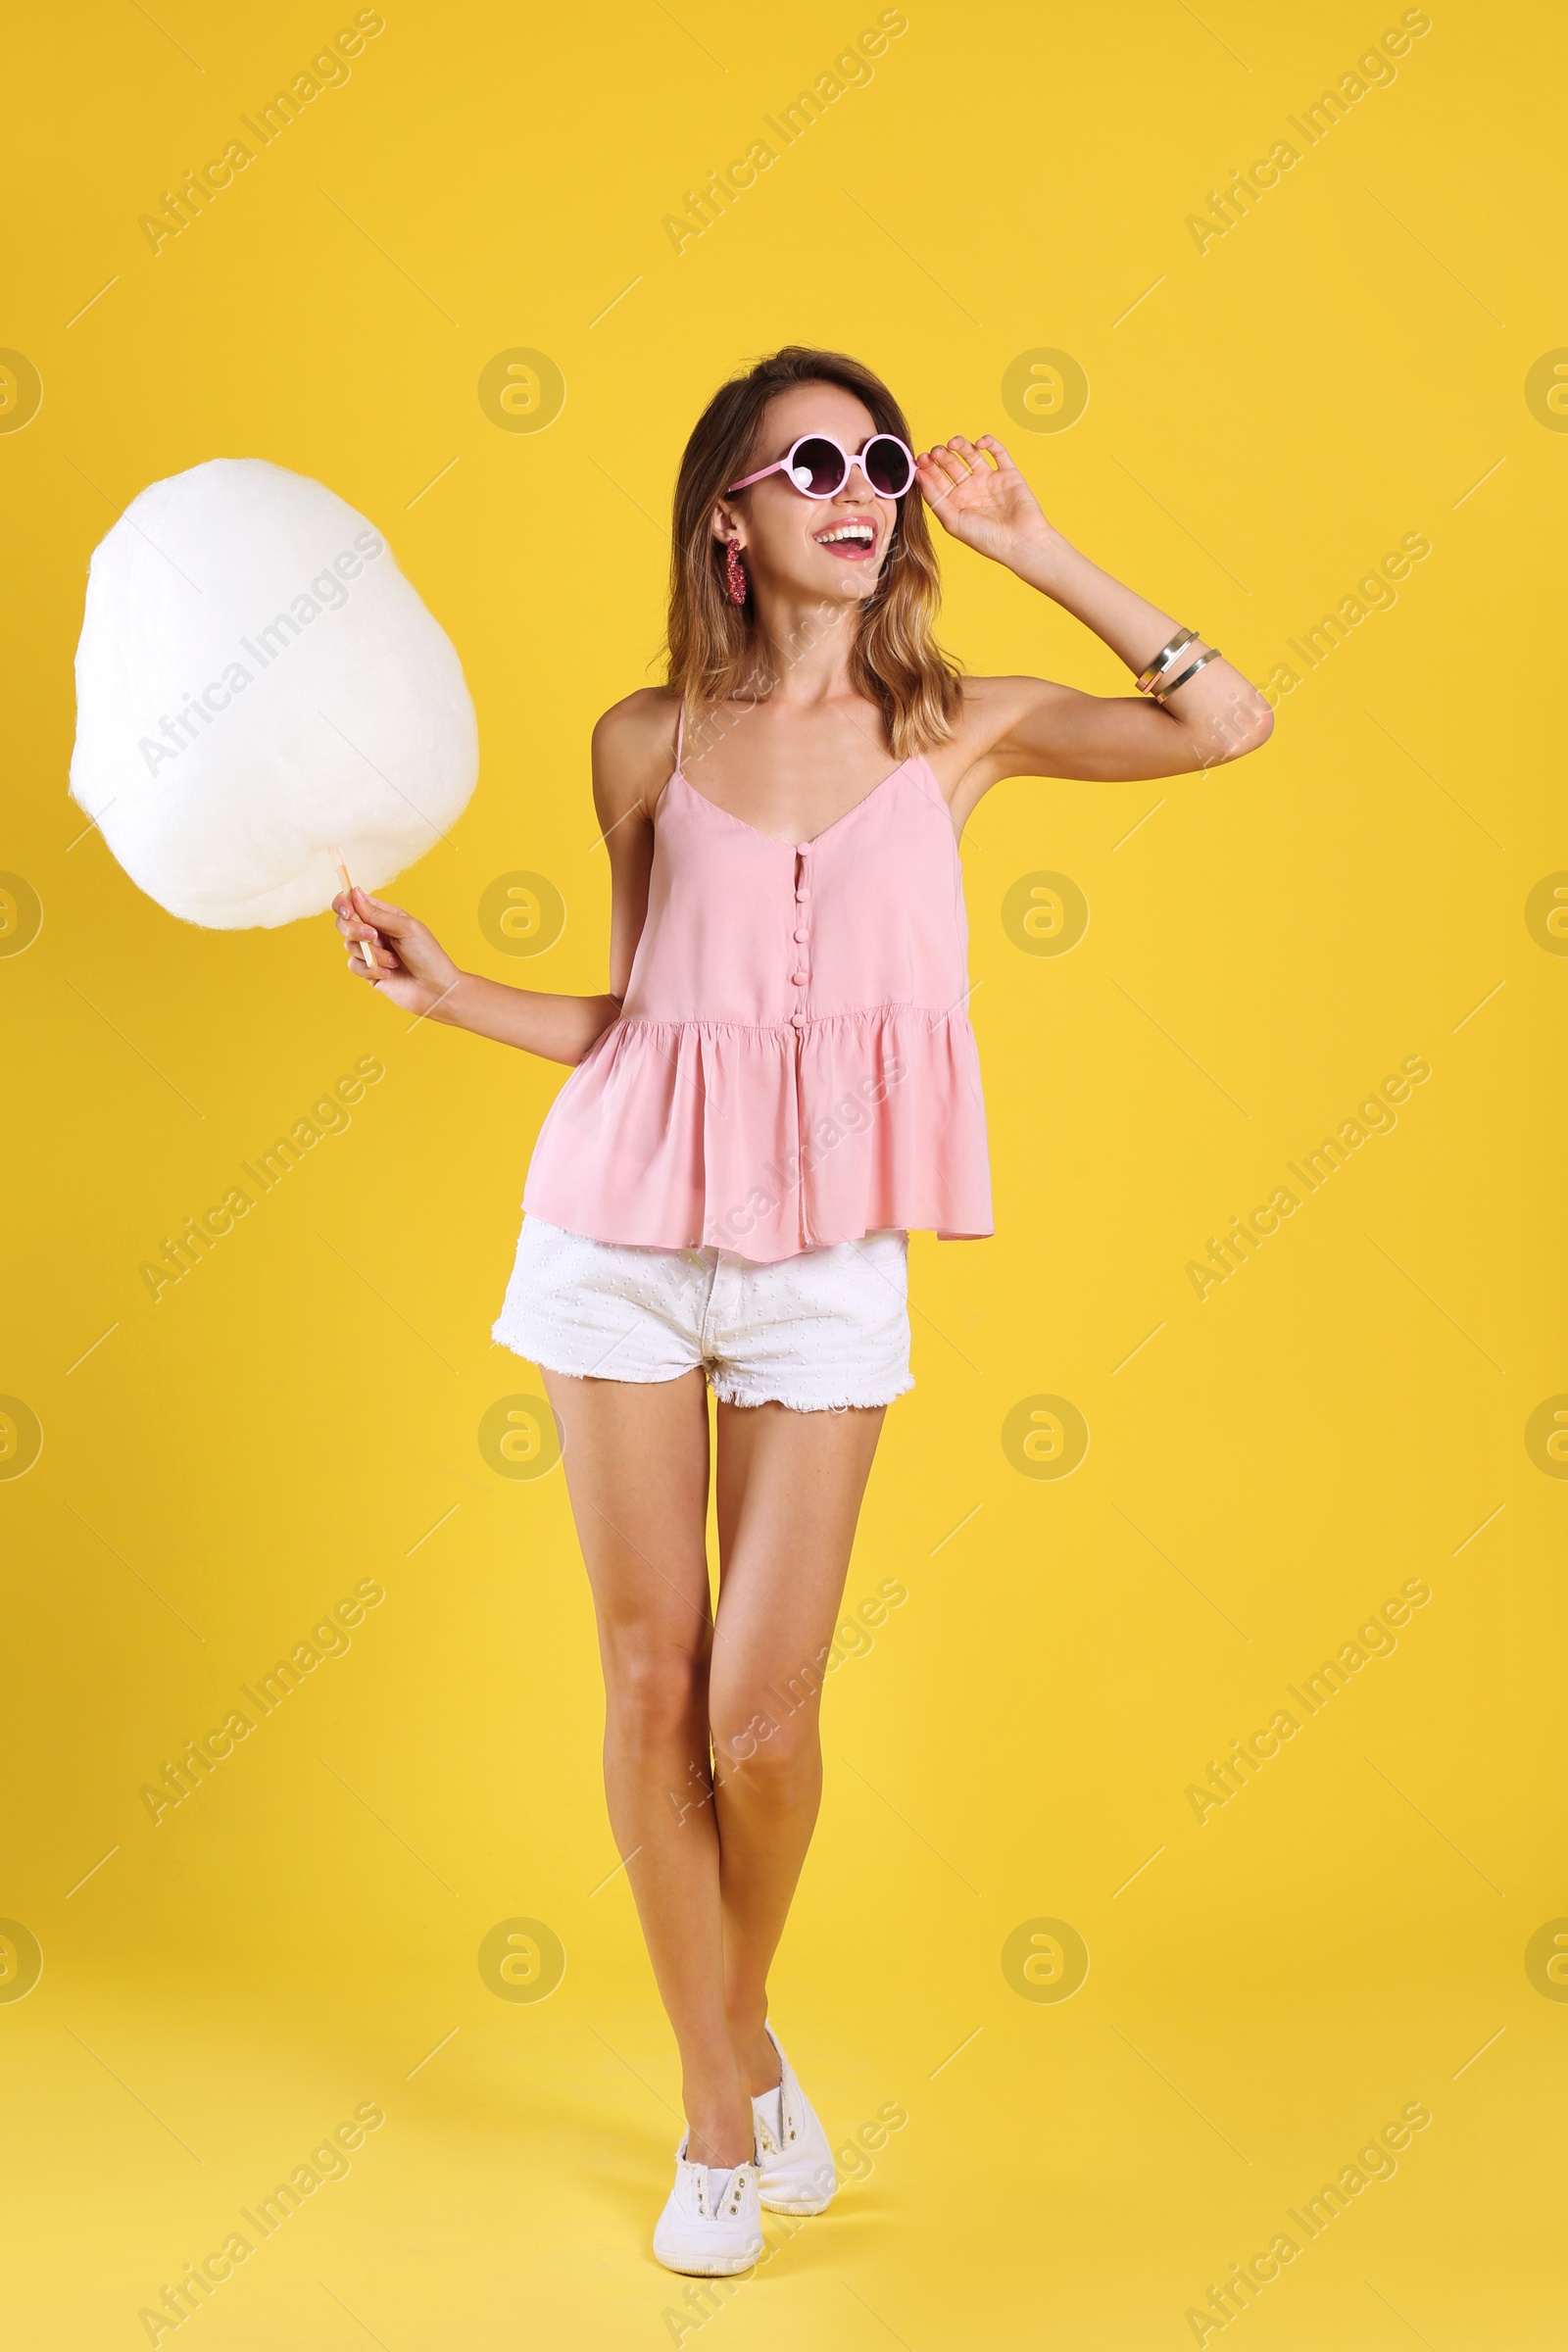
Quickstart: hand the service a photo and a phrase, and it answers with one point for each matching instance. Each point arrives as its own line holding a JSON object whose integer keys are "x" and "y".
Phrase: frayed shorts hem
{"x": 727, "y": 1394}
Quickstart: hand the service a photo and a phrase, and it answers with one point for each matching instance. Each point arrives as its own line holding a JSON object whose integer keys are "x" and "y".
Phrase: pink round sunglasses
{"x": 818, "y": 467}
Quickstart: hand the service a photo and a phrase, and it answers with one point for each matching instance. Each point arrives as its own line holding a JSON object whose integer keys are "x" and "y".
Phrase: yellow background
{"x": 1340, "y": 1941}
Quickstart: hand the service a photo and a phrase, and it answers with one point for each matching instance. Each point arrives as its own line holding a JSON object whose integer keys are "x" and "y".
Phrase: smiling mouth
{"x": 852, "y": 541}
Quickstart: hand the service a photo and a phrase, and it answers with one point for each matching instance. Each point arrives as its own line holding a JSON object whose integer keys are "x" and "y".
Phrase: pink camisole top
{"x": 793, "y": 1064}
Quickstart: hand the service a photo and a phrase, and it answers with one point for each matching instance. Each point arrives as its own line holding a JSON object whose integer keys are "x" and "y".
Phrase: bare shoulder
{"x": 987, "y": 715}
{"x": 633, "y": 751}
{"x": 992, "y": 705}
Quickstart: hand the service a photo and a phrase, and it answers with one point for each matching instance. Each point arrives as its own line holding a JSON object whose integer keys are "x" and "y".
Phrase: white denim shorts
{"x": 820, "y": 1332}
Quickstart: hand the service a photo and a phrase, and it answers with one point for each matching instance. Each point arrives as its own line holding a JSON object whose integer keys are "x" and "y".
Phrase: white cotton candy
{"x": 258, "y": 687}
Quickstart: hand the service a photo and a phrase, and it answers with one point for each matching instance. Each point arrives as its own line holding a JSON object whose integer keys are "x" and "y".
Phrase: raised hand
{"x": 411, "y": 967}
{"x": 990, "y": 508}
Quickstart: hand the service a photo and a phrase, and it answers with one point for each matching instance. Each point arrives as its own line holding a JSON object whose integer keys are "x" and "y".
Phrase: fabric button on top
{"x": 802, "y": 892}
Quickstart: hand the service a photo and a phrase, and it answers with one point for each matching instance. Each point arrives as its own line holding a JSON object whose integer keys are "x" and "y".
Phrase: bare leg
{"x": 636, "y": 1463}
{"x": 790, "y": 1487}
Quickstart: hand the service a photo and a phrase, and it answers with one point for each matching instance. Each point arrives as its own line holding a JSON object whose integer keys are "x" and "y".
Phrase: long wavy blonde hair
{"x": 716, "y": 651}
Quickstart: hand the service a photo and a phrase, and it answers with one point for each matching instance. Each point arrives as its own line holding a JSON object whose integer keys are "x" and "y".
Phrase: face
{"x": 813, "y": 547}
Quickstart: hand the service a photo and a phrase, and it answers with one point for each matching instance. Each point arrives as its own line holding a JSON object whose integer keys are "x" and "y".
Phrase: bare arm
{"x": 415, "y": 971}
{"x": 1033, "y": 727}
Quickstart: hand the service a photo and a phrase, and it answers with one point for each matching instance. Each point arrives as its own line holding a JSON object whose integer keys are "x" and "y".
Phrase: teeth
{"x": 848, "y": 530}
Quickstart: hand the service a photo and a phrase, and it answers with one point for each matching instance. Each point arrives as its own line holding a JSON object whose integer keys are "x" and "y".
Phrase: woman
{"x": 778, "y": 1085}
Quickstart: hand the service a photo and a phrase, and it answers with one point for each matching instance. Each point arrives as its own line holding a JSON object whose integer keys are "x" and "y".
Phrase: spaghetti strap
{"x": 680, "y": 732}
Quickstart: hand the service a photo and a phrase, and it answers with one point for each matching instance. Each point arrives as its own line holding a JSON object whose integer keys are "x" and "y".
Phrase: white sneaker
{"x": 712, "y": 2225}
{"x": 796, "y": 2161}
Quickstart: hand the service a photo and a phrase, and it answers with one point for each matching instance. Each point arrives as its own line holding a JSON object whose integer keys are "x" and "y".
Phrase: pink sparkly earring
{"x": 734, "y": 572}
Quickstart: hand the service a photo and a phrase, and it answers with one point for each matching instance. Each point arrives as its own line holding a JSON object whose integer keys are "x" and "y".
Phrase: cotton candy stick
{"x": 347, "y": 886}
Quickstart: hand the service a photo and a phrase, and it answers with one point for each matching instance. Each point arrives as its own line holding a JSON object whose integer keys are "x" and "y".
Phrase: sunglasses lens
{"x": 817, "y": 467}
{"x": 887, "y": 468}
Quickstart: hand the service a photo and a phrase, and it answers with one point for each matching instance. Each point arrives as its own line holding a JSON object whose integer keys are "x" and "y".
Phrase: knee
{"x": 654, "y": 1696}
{"x": 772, "y": 1751}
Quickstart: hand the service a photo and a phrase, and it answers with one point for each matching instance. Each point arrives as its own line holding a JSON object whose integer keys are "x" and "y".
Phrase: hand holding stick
{"x": 347, "y": 892}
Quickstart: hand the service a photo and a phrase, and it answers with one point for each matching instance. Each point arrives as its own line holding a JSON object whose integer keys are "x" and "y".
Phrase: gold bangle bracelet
{"x": 1165, "y": 659}
{"x": 1212, "y": 655}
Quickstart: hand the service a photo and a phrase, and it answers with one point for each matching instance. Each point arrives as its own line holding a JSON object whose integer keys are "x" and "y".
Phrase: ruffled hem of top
{"x": 769, "y": 1140}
